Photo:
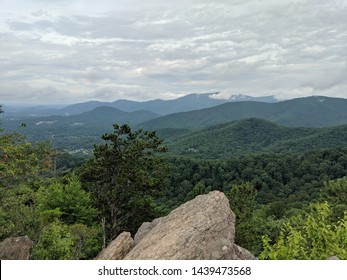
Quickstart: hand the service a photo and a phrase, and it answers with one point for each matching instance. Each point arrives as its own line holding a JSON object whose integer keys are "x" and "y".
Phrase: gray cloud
{"x": 102, "y": 50}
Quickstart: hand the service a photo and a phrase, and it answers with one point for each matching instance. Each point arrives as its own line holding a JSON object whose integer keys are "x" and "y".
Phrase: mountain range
{"x": 162, "y": 107}
{"x": 185, "y": 130}
{"x": 314, "y": 111}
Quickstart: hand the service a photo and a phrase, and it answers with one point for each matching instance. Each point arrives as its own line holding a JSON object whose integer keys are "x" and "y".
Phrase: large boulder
{"x": 203, "y": 228}
{"x": 118, "y": 248}
{"x": 15, "y": 248}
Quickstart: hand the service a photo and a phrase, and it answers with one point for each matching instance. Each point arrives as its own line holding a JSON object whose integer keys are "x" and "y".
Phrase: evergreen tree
{"x": 125, "y": 175}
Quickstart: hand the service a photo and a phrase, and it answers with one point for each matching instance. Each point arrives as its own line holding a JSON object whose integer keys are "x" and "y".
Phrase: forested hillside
{"x": 78, "y": 131}
{"x": 183, "y": 131}
{"x": 265, "y": 189}
{"x": 314, "y": 111}
{"x": 253, "y": 136}
{"x": 286, "y": 187}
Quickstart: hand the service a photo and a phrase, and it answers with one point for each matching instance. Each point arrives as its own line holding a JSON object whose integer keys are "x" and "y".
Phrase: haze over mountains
{"x": 218, "y": 125}
{"x": 314, "y": 111}
{"x": 158, "y": 106}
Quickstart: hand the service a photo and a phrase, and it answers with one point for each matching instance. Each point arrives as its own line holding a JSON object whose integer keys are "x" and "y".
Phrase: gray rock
{"x": 242, "y": 254}
{"x": 335, "y": 258}
{"x": 203, "y": 228}
{"x": 118, "y": 248}
{"x": 15, "y": 248}
{"x": 144, "y": 229}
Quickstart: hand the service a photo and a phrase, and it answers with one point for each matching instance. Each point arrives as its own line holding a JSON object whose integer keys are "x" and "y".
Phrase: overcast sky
{"x": 67, "y": 51}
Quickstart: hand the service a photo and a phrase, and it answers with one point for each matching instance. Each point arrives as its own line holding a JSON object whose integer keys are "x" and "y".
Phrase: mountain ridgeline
{"x": 189, "y": 102}
{"x": 314, "y": 111}
{"x": 216, "y": 131}
{"x": 158, "y": 106}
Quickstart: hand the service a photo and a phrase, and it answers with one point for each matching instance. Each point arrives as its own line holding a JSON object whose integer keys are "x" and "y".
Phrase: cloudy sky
{"x": 66, "y": 51}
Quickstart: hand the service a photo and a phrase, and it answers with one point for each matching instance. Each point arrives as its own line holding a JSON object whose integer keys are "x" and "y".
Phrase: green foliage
{"x": 254, "y": 136}
{"x": 288, "y": 180}
{"x": 55, "y": 243}
{"x": 242, "y": 203}
{"x": 284, "y": 183}
{"x": 126, "y": 180}
{"x": 66, "y": 162}
{"x": 68, "y": 217}
{"x": 57, "y": 216}
{"x": 242, "y": 200}
{"x": 87, "y": 241}
{"x": 312, "y": 236}
{"x": 228, "y": 129}
{"x": 69, "y": 202}
{"x": 335, "y": 193}
{"x": 23, "y": 168}
{"x": 261, "y": 224}
{"x": 198, "y": 189}
{"x": 75, "y": 132}
{"x": 17, "y": 212}
{"x": 21, "y": 161}
{"x": 125, "y": 175}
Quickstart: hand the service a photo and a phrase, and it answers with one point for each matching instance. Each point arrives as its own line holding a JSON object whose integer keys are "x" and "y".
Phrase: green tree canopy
{"x": 335, "y": 193}
{"x": 21, "y": 161}
{"x": 125, "y": 175}
{"x": 67, "y": 201}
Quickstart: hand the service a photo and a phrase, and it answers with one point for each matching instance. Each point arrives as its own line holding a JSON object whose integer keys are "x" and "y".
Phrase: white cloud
{"x": 78, "y": 50}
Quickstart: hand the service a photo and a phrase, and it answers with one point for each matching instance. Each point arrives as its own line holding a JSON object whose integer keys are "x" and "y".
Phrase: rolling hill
{"x": 314, "y": 111}
{"x": 254, "y": 136}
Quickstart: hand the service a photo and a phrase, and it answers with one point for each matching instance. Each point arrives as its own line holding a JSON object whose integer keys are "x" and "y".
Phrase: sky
{"x": 68, "y": 51}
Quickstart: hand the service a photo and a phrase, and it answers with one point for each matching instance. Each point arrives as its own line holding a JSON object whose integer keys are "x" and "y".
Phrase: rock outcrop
{"x": 15, "y": 248}
{"x": 203, "y": 228}
{"x": 118, "y": 248}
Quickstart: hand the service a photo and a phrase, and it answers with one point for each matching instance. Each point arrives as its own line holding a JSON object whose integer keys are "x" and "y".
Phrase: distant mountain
{"x": 21, "y": 111}
{"x": 77, "y": 131}
{"x": 186, "y": 103}
{"x": 80, "y": 108}
{"x": 241, "y": 97}
{"x": 158, "y": 106}
{"x": 254, "y": 136}
{"x": 74, "y": 109}
{"x": 314, "y": 111}
{"x": 184, "y": 130}
{"x": 162, "y": 107}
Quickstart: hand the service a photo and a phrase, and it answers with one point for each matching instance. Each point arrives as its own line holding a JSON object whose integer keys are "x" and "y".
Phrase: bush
{"x": 309, "y": 237}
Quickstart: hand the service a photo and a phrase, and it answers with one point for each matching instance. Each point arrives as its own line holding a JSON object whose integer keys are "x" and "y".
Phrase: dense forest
{"x": 290, "y": 204}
